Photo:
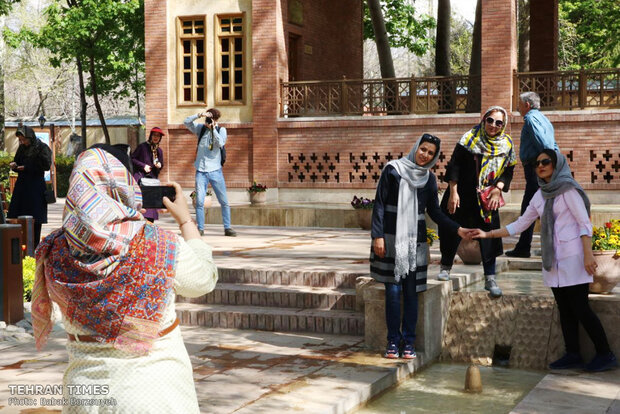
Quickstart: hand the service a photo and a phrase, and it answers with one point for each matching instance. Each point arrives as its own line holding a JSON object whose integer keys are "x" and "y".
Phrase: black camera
{"x": 209, "y": 120}
{"x": 152, "y": 195}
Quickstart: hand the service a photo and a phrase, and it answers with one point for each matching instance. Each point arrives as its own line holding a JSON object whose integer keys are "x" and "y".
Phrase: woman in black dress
{"x": 32, "y": 159}
{"x": 483, "y": 157}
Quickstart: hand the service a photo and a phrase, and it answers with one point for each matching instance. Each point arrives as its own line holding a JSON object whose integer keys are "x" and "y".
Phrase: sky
{"x": 466, "y": 8}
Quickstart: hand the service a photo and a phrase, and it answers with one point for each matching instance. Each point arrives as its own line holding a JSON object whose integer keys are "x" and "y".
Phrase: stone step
{"x": 291, "y": 277}
{"x": 340, "y": 322}
{"x": 304, "y": 297}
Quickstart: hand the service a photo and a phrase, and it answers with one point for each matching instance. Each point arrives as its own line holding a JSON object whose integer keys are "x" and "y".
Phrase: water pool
{"x": 439, "y": 389}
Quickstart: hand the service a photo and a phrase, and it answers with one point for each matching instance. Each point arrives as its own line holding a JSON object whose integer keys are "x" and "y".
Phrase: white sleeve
{"x": 196, "y": 273}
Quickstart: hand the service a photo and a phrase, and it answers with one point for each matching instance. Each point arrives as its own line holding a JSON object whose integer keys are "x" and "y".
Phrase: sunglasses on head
{"x": 498, "y": 122}
{"x": 544, "y": 162}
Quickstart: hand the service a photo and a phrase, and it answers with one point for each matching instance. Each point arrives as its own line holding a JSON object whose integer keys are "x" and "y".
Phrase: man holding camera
{"x": 208, "y": 164}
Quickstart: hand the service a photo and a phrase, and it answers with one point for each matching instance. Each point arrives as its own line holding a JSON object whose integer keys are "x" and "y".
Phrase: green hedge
{"x": 64, "y": 165}
{"x": 5, "y": 160}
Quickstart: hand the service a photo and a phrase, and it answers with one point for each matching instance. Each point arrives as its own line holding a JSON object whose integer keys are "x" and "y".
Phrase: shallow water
{"x": 439, "y": 389}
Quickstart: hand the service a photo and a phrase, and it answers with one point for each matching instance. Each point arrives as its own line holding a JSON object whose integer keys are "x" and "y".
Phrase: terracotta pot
{"x": 364, "y": 218}
{"x": 469, "y": 252}
{"x": 258, "y": 197}
{"x": 208, "y": 201}
{"x": 607, "y": 273}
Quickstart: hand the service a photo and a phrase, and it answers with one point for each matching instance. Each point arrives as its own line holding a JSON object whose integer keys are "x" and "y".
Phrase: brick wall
{"x": 350, "y": 152}
{"x": 499, "y": 57}
{"x": 333, "y": 29}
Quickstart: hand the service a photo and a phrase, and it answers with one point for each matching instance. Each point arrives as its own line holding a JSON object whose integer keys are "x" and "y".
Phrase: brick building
{"x": 235, "y": 55}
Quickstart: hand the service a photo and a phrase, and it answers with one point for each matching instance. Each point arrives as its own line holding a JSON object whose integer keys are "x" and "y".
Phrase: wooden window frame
{"x": 218, "y": 55}
{"x": 181, "y": 37}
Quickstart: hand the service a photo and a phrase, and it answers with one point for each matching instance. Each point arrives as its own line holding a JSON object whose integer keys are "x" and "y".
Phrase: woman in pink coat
{"x": 568, "y": 262}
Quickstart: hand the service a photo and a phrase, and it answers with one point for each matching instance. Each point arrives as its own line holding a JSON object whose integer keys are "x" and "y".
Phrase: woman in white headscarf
{"x": 568, "y": 263}
{"x": 398, "y": 258}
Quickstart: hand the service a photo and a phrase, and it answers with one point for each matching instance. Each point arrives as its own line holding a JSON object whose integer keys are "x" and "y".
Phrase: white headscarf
{"x": 412, "y": 176}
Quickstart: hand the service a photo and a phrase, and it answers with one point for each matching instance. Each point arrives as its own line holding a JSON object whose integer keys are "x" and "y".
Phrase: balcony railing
{"x": 381, "y": 96}
{"x": 571, "y": 89}
{"x": 430, "y": 95}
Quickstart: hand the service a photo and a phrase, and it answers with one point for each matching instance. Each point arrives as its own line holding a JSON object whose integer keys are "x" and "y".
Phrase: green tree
{"x": 105, "y": 39}
{"x": 589, "y": 33}
{"x": 5, "y": 7}
{"x": 402, "y": 27}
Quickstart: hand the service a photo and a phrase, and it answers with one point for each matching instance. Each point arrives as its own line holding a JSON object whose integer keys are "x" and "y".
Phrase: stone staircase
{"x": 283, "y": 301}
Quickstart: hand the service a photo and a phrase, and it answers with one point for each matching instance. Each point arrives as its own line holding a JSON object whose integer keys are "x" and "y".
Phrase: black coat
{"x": 28, "y": 198}
{"x": 462, "y": 169}
{"x": 384, "y": 225}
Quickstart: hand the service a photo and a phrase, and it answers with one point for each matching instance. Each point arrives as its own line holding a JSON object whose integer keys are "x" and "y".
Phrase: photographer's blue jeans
{"x": 410, "y": 311}
{"x": 216, "y": 178}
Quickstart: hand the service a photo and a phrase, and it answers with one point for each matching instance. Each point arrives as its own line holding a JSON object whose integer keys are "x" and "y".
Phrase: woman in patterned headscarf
{"x": 483, "y": 157}
{"x": 114, "y": 277}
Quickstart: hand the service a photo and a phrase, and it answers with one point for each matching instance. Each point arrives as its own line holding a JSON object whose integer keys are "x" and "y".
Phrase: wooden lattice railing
{"x": 562, "y": 90}
{"x": 571, "y": 89}
{"x": 381, "y": 96}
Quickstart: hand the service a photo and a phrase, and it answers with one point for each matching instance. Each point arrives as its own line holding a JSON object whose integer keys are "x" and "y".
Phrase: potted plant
{"x": 605, "y": 246}
{"x": 208, "y": 198}
{"x": 364, "y": 208}
{"x": 258, "y": 193}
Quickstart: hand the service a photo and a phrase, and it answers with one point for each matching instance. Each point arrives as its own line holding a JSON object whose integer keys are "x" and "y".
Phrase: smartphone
{"x": 153, "y": 195}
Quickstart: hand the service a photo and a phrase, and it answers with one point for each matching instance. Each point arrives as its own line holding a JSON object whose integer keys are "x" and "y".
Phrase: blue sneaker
{"x": 391, "y": 352}
{"x": 602, "y": 363}
{"x": 409, "y": 352}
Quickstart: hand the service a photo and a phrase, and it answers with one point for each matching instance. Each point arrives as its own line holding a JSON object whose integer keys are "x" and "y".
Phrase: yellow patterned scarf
{"x": 496, "y": 153}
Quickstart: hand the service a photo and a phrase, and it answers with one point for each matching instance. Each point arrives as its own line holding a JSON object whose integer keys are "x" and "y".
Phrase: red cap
{"x": 157, "y": 129}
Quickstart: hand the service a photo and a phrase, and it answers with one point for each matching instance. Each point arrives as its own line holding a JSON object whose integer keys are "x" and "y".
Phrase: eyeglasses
{"x": 430, "y": 138}
{"x": 498, "y": 122}
{"x": 544, "y": 162}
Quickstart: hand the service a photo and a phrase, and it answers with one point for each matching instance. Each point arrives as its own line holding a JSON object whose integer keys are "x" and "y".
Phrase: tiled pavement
{"x": 258, "y": 371}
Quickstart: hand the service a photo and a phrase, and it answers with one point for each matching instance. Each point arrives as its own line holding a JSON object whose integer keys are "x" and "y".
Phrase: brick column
{"x": 156, "y": 99}
{"x": 499, "y": 52}
{"x": 544, "y": 35}
{"x": 268, "y": 67}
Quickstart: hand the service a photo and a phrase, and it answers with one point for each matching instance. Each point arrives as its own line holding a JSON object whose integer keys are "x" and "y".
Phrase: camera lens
{"x": 208, "y": 120}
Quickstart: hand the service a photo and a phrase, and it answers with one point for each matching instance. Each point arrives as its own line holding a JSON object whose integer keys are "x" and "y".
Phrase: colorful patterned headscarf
{"x": 109, "y": 271}
{"x": 497, "y": 153}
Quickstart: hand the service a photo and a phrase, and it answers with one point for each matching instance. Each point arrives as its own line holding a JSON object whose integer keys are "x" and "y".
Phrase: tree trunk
{"x": 381, "y": 39}
{"x": 93, "y": 86}
{"x": 475, "y": 67}
{"x": 523, "y": 11}
{"x": 83, "y": 106}
{"x": 442, "y": 48}
{"x": 2, "y": 111}
{"x": 138, "y": 98}
{"x": 442, "y": 57}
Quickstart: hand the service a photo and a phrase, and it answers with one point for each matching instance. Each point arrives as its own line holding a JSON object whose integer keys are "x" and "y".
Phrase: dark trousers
{"x": 574, "y": 308}
{"x": 449, "y": 243}
{"x": 37, "y": 233}
{"x": 410, "y": 311}
{"x": 531, "y": 186}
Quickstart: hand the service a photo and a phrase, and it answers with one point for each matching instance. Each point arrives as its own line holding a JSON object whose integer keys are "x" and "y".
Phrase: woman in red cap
{"x": 148, "y": 160}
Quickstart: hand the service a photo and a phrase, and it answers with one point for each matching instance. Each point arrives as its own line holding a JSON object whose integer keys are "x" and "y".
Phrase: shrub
{"x": 28, "y": 268}
{"x": 64, "y": 166}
